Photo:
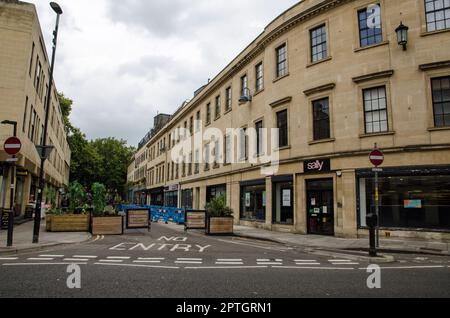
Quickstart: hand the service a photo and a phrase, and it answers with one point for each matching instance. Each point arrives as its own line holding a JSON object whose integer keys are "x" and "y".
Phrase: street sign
{"x": 12, "y": 146}
{"x": 12, "y": 160}
{"x": 376, "y": 157}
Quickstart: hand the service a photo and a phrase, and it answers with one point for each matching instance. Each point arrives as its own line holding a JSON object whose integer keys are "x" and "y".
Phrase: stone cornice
{"x": 319, "y": 89}
{"x": 434, "y": 66}
{"x": 373, "y": 76}
{"x": 281, "y": 102}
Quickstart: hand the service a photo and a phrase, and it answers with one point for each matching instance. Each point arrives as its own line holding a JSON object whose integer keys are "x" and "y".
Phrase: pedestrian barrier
{"x": 158, "y": 213}
{"x": 194, "y": 220}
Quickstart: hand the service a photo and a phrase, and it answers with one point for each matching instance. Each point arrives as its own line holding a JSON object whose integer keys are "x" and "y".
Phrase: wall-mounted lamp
{"x": 246, "y": 97}
{"x": 402, "y": 35}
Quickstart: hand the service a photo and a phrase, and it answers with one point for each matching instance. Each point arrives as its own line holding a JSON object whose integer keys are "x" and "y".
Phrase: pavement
{"x": 168, "y": 262}
{"x": 343, "y": 245}
{"x": 23, "y": 236}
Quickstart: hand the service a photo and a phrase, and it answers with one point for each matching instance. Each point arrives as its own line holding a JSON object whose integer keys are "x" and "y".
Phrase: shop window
{"x": 171, "y": 199}
{"x": 408, "y": 202}
{"x": 215, "y": 191}
{"x": 283, "y": 202}
{"x": 186, "y": 199}
{"x": 253, "y": 202}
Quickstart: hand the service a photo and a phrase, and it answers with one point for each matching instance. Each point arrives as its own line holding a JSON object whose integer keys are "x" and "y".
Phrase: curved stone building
{"x": 335, "y": 79}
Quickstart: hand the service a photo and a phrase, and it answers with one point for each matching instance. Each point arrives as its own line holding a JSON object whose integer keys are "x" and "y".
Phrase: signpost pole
{"x": 11, "y": 197}
{"x": 377, "y": 209}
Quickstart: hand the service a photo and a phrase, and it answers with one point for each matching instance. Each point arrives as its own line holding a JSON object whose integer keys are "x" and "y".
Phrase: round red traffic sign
{"x": 12, "y": 146}
{"x": 376, "y": 157}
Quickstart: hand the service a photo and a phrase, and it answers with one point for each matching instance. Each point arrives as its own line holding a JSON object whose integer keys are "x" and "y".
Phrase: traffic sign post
{"x": 12, "y": 147}
{"x": 376, "y": 157}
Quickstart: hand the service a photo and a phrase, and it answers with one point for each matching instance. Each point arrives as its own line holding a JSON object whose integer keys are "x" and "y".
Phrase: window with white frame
{"x": 375, "y": 110}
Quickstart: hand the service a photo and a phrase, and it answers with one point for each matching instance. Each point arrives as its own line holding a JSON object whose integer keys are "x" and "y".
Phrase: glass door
{"x": 320, "y": 207}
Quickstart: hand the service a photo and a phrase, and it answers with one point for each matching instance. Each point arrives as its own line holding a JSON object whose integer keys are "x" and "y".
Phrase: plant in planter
{"x": 57, "y": 221}
{"x": 104, "y": 222}
{"x": 77, "y": 196}
{"x": 220, "y": 217}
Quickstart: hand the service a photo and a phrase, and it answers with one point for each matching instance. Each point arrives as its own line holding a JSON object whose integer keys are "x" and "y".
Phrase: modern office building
{"x": 24, "y": 73}
{"x": 335, "y": 77}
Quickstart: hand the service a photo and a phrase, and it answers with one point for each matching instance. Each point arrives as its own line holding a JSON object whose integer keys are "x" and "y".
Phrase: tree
{"x": 103, "y": 160}
{"x": 66, "y": 109}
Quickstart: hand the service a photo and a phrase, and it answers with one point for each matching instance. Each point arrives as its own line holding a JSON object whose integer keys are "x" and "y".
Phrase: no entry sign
{"x": 12, "y": 146}
{"x": 376, "y": 157}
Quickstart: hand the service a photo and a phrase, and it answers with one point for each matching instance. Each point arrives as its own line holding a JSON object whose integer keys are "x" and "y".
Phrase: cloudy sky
{"x": 122, "y": 61}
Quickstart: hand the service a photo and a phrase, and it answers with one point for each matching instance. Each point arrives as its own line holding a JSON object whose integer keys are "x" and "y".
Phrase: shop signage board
{"x": 317, "y": 166}
{"x": 138, "y": 219}
{"x": 413, "y": 204}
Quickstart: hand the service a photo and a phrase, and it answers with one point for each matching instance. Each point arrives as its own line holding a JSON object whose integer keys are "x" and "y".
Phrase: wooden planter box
{"x": 220, "y": 226}
{"x": 107, "y": 225}
{"x": 67, "y": 223}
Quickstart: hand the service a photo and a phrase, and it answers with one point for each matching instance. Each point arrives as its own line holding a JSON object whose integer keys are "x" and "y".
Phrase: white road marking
{"x": 8, "y": 258}
{"x": 85, "y": 256}
{"x": 151, "y": 258}
{"x": 267, "y": 263}
{"x": 52, "y": 256}
{"x": 40, "y": 264}
{"x": 305, "y": 260}
{"x": 269, "y": 260}
{"x": 111, "y": 261}
{"x": 138, "y": 265}
{"x": 147, "y": 262}
{"x": 307, "y": 264}
{"x": 40, "y": 259}
{"x": 118, "y": 257}
{"x": 229, "y": 260}
{"x": 75, "y": 260}
{"x": 406, "y": 267}
{"x": 229, "y": 263}
{"x": 188, "y": 262}
{"x": 258, "y": 246}
{"x": 189, "y": 259}
{"x": 339, "y": 260}
{"x": 320, "y": 268}
{"x": 226, "y": 267}
{"x": 344, "y": 263}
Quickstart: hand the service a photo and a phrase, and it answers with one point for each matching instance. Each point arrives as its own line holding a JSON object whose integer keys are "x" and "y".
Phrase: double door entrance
{"x": 320, "y": 206}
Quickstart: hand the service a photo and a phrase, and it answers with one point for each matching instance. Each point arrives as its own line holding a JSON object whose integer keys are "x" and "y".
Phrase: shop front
{"x": 412, "y": 198}
{"x": 157, "y": 196}
{"x": 320, "y": 212}
{"x": 171, "y": 196}
{"x": 283, "y": 200}
{"x": 253, "y": 201}
{"x": 215, "y": 191}
{"x": 187, "y": 198}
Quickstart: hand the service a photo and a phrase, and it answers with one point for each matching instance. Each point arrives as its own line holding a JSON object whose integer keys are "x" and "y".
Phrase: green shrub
{"x": 218, "y": 208}
{"x": 77, "y": 196}
{"x": 98, "y": 198}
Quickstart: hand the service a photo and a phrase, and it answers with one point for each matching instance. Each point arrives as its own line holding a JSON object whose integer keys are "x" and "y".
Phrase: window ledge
{"x": 427, "y": 33}
{"x": 359, "y": 49}
{"x": 217, "y": 118}
{"x": 228, "y": 111}
{"x": 438, "y": 128}
{"x": 280, "y": 78}
{"x": 387, "y": 133}
{"x": 258, "y": 92}
{"x": 284, "y": 148}
{"x": 311, "y": 64}
{"x": 323, "y": 141}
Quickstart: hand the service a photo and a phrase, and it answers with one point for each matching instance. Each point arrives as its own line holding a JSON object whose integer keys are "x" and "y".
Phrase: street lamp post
{"x": 37, "y": 214}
